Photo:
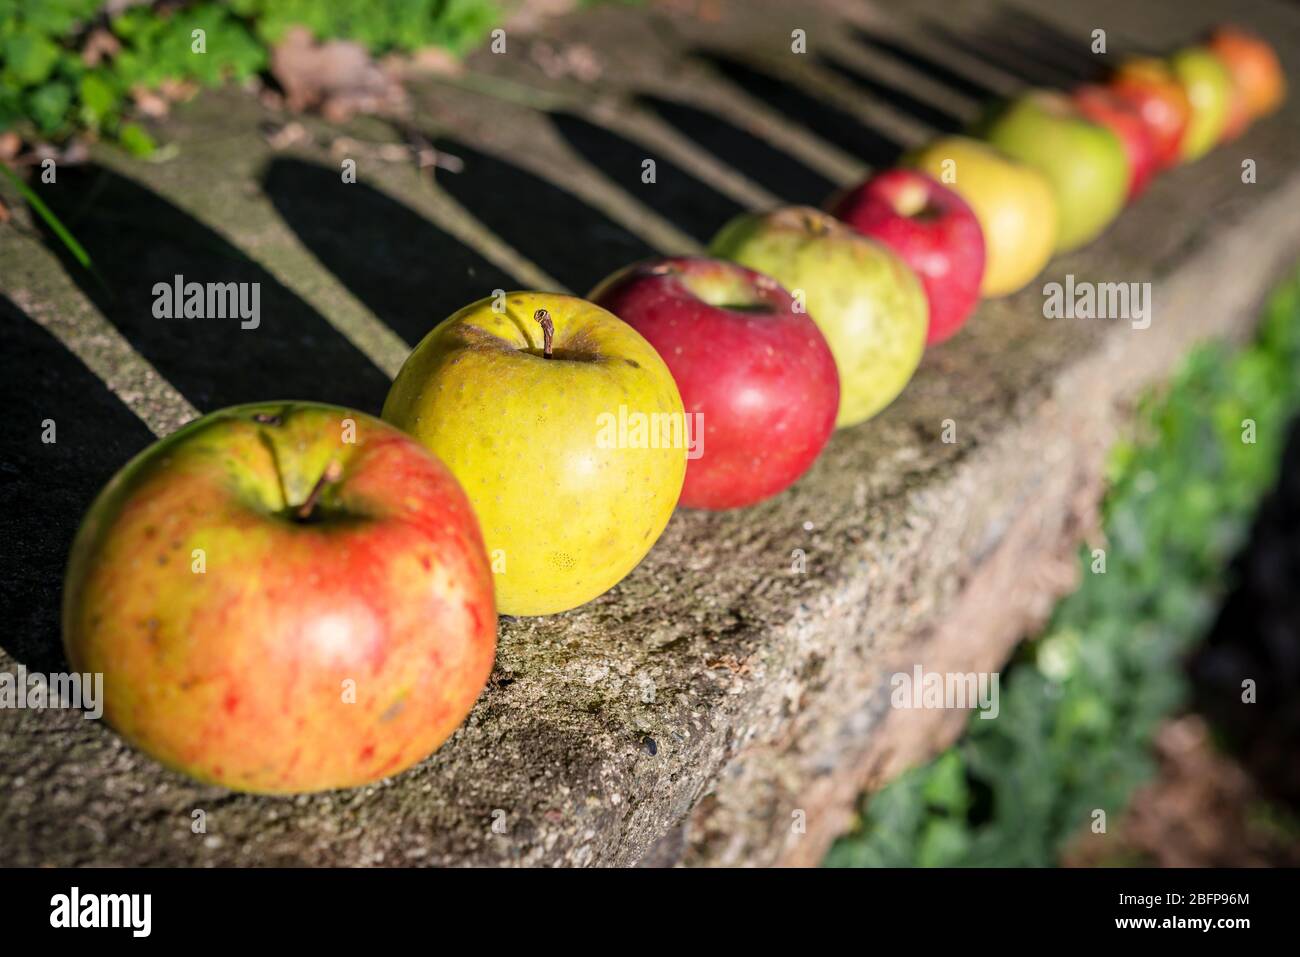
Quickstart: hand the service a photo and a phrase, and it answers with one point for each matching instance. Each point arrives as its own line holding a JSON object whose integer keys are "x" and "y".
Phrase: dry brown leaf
{"x": 431, "y": 61}
{"x": 100, "y": 45}
{"x": 338, "y": 77}
{"x": 10, "y": 144}
{"x": 149, "y": 102}
{"x": 178, "y": 91}
{"x": 281, "y": 138}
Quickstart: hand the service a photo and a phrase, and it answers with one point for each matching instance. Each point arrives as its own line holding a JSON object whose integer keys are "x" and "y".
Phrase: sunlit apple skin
{"x": 1103, "y": 105}
{"x": 1255, "y": 69}
{"x": 867, "y": 302}
{"x": 249, "y": 648}
{"x": 1013, "y": 203}
{"x": 567, "y": 507}
{"x": 759, "y": 375}
{"x": 1160, "y": 100}
{"x": 935, "y": 232}
{"x": 1237, "y": 119}
{"x": 1084, "y": 161}
{"x": 1209, "y": 91}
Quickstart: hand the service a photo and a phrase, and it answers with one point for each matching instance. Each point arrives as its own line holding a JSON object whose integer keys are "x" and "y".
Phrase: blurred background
{"x": 1166, "y": 686}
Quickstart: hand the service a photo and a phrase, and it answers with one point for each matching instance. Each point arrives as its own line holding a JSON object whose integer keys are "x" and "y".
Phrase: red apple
{"x": 1118, "y": 114}
{"x": 757, "y": 378}
{"x": 1160, "y": 100}
{"x": 283, "y": 597}
{"x": 933, "y": 230}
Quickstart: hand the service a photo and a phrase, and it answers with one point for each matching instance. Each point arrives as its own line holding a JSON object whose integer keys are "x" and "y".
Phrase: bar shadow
{"x": 45, "y": 489}
{"x": 932, "y": 116}
{"x": 692, "y": 206}
{"x": 137, "y": 239}
{"x": 925, "y": 64}
{"x": 749, "y": 154}
{"x": 1006, "y": 53}
{"x": 575, "y": 243}
{"x": 1048, "y": 42}
{"x": 830, "y": 123}
{"x": 1079, "y": 47}
{"x": 406, "y": 270}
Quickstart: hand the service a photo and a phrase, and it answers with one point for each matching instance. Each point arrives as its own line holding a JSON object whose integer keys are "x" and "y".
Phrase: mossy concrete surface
{"x": 725, "y": 703}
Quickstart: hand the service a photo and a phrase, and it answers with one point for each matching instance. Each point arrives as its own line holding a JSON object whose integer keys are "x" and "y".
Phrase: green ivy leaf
{"x": 49, "y": 105}
{"x": 29, "y": 56}
{"x": 99, "y": 97}
{"x": 135, "y": 140}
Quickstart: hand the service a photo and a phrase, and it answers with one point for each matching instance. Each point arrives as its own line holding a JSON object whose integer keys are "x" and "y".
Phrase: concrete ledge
{"x": 740, "y": 675}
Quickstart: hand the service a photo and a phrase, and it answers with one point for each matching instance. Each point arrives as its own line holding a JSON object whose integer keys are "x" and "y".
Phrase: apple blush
{"x": 282, "y": 598}
{"x": 1122, "y": 117}
{"x": 866, "y": 301}
{"x": 933, "y": 230}
{"x": 1150, "y": 87}
{"x": 754, "y": 373}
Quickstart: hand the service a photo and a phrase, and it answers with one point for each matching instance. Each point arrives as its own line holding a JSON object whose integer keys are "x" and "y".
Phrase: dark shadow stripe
{"x": 1003, "y": 54}
{"x": 752, "y": 156}
{"x": 138, "y": 239}
{"x": 830, "y": 123}
{"x": 45, "y": 489}
{"x": 695, "y": 208}
{"x": 408, "y": 272}
{"x": 926, "y": 64}
{"x": 575, "y": 243}
{"x": 1069, "y": 54}
{"x": 1053, "y": 35}
{"x": 928, "y": 114}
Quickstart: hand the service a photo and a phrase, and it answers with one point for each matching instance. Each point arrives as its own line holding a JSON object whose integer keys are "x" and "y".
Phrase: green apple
{"x": 1210, "y": 92}
{"x": 1013, "y": 203}
{"x": 1084, "y": 161}
{"x": 566, "y": 430}
{"x": 283, "y": 597}
{"x": 867, "y": 302}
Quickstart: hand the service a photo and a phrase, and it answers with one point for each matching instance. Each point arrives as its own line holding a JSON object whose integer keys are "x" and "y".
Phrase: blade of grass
{"x": 59, "y": 230}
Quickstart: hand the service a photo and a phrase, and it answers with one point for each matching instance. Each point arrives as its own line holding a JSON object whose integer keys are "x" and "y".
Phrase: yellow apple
{"x": 1013, "y": 202}
{"x": 1209, "y": 90}
{"x": 567, "y": 432}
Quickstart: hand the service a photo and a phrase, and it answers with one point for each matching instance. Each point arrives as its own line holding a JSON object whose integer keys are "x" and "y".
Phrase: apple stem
{"x": 548, "y": 331}
{"x": 331, "y": 474}
{"x": 816, "y": 224}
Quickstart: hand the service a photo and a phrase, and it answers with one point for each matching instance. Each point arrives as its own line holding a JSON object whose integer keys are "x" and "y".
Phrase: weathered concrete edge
{"x": 1016, "y": 585}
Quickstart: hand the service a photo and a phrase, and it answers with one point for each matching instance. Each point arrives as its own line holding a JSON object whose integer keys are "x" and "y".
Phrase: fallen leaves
{"x": 337, "y": 77}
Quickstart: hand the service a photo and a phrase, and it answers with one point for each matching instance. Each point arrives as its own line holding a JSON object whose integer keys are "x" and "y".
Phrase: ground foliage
{"x": 1081, "y": 703}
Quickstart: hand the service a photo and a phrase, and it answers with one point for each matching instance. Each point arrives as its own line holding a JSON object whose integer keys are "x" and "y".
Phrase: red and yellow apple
{"x": 935, "y": 232}
{"x": 1151, "y": 87}
{"x": 1013, "y": 203}
{"x": 757, "y": 374}
{"x": 867, "y": 302}
{"x": 567, "y": 432}
{"x": 283, "y": 597}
